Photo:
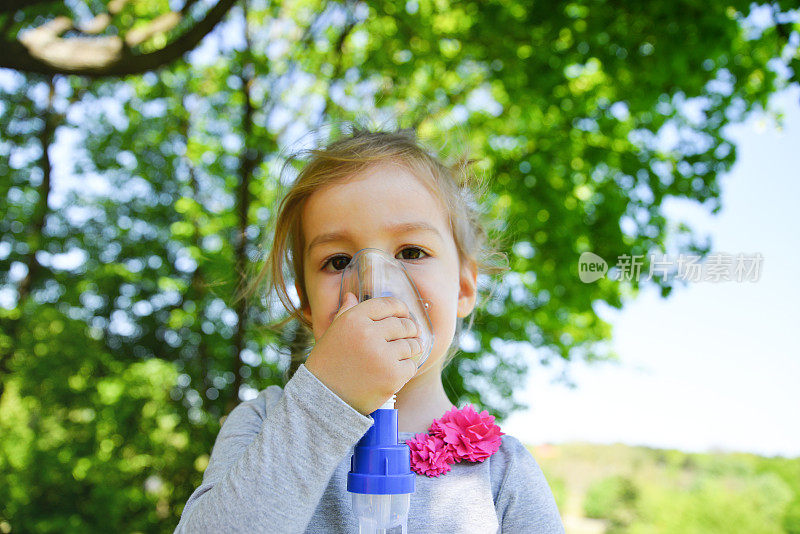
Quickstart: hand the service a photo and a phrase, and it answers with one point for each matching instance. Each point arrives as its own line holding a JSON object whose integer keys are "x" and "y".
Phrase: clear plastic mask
{"x": 373, "y": 273}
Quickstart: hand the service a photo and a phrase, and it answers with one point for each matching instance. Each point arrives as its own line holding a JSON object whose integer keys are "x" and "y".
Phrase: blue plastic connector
{"x": 380, "y": 465}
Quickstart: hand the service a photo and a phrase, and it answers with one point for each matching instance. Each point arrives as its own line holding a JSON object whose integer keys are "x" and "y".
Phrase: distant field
{"x": 623, "y": 489}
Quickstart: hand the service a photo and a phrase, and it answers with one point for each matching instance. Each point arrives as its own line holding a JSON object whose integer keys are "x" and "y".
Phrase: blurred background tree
{"x": 140, "y": 150}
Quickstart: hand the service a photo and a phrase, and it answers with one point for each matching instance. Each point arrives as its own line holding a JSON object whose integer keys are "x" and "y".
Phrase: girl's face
{"x": 362, "y": 212}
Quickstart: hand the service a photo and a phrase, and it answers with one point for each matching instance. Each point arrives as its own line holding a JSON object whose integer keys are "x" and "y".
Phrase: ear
{"x": 306, "y": 309}
{"x": 468, "y": 283}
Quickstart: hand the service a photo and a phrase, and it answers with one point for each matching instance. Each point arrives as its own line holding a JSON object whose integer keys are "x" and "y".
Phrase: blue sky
{"x": 715, "y": 366}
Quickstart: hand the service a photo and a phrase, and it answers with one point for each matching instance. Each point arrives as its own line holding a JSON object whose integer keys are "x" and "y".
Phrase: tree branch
{"x": 248, "y": 161}
{"x": 41, "y": 50}
{"x": 51, "y": 120}
{"x": 37, "y": 224}
{"x": 8, "y": 6}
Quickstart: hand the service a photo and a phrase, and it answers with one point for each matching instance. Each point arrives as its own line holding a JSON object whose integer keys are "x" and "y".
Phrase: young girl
{"x": 280, "y": 461}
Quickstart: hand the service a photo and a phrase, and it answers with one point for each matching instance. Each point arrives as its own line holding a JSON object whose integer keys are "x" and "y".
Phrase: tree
{"x": 124, "y": 39}
{"x": 563, "y": 111}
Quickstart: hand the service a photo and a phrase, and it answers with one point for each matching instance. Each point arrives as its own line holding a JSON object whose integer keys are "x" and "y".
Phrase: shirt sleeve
{"x": 525, "y": 502}
{"x": 268, "y": 471}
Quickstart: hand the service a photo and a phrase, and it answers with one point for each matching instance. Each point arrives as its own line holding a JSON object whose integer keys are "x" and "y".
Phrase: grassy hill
{"x": 625, "y": 489}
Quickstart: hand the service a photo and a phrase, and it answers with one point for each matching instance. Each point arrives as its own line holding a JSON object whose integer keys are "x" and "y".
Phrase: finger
{"x": 406, "y": 348}
{"x": 408, "y": 368}
{"x": 398, "y": 328}
{"x": 379, "y": 308}
{"x": 348, "y": 302}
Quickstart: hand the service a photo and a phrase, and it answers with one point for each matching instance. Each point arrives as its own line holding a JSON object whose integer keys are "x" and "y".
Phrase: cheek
{"x": 324, "y": 301}
{"x": 444, "y": 307}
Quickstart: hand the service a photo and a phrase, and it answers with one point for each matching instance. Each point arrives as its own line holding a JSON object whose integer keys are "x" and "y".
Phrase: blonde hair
{"x": 456, "y": 186}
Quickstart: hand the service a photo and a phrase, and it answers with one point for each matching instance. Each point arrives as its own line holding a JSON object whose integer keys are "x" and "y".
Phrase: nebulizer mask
{"x": 380, "y": 477}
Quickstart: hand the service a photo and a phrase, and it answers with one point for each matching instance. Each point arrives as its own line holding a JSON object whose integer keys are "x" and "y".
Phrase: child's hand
{"x": 364, "y": 355}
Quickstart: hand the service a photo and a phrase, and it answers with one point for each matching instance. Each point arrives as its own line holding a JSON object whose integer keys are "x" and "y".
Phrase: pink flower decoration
{"x": 429, "y": 455}
{"x": 469, "y": 435}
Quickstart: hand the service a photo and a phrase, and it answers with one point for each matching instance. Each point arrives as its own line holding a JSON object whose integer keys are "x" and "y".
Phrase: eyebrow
{"x": 399, "y": 228}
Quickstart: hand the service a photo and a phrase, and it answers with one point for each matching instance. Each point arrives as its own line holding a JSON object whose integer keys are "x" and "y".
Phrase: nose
{"x": 371, "y": 271}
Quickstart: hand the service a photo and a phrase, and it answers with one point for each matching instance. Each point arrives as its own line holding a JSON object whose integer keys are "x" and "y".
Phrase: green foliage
{"x": 634, "y": 490}
{"x": 613, "y": 498}
{"x": 559, "y": 489}
{"x": 791, "y": 517}
{"x": 88, "y": 441}
{"x": 749, "y": 504}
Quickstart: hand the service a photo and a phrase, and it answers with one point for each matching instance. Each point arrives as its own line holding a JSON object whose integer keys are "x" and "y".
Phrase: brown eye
{"x": 338, "y": 262}
{"x": 415, "y": 253}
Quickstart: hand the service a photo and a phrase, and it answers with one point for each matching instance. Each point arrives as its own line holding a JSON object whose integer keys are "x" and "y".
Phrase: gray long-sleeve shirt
{"x": 280, "y": 464}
